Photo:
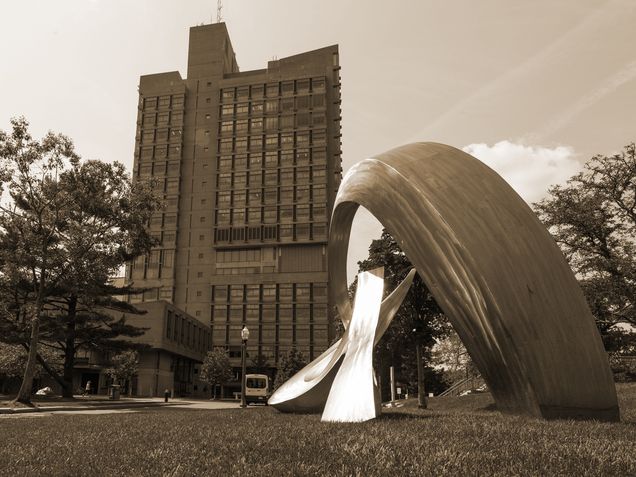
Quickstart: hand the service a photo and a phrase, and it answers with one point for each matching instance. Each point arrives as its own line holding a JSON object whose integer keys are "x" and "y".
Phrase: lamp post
{"x": 245, "y": 334}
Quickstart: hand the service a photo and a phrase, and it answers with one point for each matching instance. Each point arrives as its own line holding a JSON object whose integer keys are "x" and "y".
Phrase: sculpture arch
{"x": 494, "y": 270}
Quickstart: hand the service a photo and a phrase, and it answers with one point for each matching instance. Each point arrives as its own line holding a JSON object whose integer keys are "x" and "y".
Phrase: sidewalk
{"x": 80, "y": 403}
{"x": 54, "y": 404}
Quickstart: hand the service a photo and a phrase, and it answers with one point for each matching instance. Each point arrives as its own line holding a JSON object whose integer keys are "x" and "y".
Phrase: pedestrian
{"x": 88, "y": 387}
{"x": 166, "y": 395}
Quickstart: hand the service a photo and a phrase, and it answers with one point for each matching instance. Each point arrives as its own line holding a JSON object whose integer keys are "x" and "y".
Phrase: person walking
{"x": 88, "y": 387}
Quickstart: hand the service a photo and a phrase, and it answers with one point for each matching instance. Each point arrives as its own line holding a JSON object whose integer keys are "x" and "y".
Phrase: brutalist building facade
{"x": 248, "y": 164}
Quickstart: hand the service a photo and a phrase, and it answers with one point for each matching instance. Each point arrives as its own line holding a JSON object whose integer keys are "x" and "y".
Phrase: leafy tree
{"x": 123, "y": 367}
{"x": 70, "y": 227}
{"x": 13, "y": 360}
{"x": 259, "y": 363}
{"x": 216, "y": 369}
{"x": 450, "y": 354}
{"x": 288, "y": 365}
{"x": 31, "y": 229}
{"x": 593, "y": 220}
{"x": 12, "y": 363}
{"x": 417, "y": 324}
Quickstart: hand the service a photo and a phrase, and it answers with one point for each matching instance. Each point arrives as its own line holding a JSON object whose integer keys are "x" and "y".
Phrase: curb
{"x": 83, "y": 407}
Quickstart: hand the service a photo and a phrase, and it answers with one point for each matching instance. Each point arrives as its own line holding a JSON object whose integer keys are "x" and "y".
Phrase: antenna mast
{"x": 219, "y": 7}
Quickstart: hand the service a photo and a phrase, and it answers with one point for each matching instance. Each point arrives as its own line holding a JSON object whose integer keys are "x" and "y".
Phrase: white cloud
{"x": 530, "y": 170}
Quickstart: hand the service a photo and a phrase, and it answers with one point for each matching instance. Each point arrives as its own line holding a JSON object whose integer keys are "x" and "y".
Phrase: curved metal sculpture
{"x": 495, "y": 271}
{"x": 309, "y": 389}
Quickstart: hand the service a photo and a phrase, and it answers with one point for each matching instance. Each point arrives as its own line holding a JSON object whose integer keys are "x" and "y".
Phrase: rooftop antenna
{"x": 219, "y": 7}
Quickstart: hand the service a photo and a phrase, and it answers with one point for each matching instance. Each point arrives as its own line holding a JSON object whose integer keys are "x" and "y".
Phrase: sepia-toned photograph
{"x": 336, "y": 238}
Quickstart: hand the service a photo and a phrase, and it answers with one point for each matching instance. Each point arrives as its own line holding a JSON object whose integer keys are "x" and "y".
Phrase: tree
{"x": 451, "y": 356}
{"x": 123, "y": 367}
{"x": 88, "y": 320}
{"x": 13, "y": 360}
{"x": 70, "y": 227}
{"x": 216, "y": 369}
{"x": 593, "y": 220}
{"x": 30, "y": 230}
{"x": 259, "y": 363}
{"x": 417, "y": 324}
{"x": 288, "y": 365}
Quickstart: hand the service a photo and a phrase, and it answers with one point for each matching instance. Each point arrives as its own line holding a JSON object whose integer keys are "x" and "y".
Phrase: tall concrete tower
{"x": 248, "y": 164}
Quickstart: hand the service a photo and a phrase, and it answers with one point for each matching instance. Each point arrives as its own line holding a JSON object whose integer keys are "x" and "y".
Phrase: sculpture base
{"x": 611, "y": 414}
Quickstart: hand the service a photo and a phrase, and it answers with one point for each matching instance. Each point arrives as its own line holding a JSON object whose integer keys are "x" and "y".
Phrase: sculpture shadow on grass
{"x": 493, "y": 268}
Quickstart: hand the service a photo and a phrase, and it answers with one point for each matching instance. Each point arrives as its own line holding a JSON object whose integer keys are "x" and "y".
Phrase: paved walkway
{"x": 101, "y": 404}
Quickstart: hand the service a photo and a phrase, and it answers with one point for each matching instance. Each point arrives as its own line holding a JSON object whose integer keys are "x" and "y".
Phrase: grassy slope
{"x": 455, "y": 437}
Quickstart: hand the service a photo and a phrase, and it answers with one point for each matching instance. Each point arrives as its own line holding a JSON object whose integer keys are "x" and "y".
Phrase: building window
{"x": 257, "y": 107}
{"x": 271, "y": 105}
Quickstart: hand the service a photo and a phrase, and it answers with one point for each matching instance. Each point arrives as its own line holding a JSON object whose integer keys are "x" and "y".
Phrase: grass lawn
{"x": 457, "y": 436}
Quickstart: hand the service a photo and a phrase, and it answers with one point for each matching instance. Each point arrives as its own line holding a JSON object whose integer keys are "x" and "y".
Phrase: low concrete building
{"x": 177, "y": 345}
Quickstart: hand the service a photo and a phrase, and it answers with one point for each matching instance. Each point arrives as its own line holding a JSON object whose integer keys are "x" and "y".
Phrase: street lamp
{"x": 245, "y": 334}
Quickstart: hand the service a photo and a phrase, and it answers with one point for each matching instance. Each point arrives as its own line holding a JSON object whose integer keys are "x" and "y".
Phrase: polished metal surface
{"x": 308, "y": 390}
{"x": 353, "y": 392}
{"x": 493, "y": 268}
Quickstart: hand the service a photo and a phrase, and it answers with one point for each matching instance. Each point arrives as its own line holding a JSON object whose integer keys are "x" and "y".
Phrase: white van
{"x": 256, "y": 388}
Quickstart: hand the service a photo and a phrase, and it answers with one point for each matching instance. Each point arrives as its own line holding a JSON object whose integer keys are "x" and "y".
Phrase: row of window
{"x": 298, "y": 104}
{"x": 272, "y": 123}
{"x": 269, "y": 292}
{"x": 316, "y": 156}
{"x": 241, "y": 255}
{"x": 166, "y": 185}
{"x": 161, "y": 119}
{"x": 285, "y": 140}
{"x": 270, "y": 215}
{"x": 156, "y": 264}
{"x": 164, "y": 237}
{"x": 306, "y": 333}
{"x": 163, "y": 102}
{"x": 187, "y": 332}
{"x": 243, "y": 234}
{"x": 152, "y": 294}
{"x": 299, "y": 232}
{"x": 283, "y": 312}
{"x": 301, "y": 175}
{"x": 163, "y": 135}
{"x": 315, "y": 194}
{"x": 159, "y": 168}
{"x": 271, "y": 90}
{"x": 160, "y": 151}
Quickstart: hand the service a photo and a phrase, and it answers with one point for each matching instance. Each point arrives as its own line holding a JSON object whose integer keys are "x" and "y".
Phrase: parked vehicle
{"x": 256, "y": 388}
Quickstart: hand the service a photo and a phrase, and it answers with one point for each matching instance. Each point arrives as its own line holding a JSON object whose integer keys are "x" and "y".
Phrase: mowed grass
{"x": 457, "y": 436}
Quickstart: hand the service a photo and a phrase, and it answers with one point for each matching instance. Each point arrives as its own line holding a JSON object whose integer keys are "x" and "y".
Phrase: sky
{"x": 531, "y": 88}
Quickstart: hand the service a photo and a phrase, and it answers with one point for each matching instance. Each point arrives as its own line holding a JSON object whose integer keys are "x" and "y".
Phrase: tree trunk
{"x": 69, "y": 349}
{"x": 422, "y": 401}
{"x": 24, "y": 394}
{"x": 50, "y": 371}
